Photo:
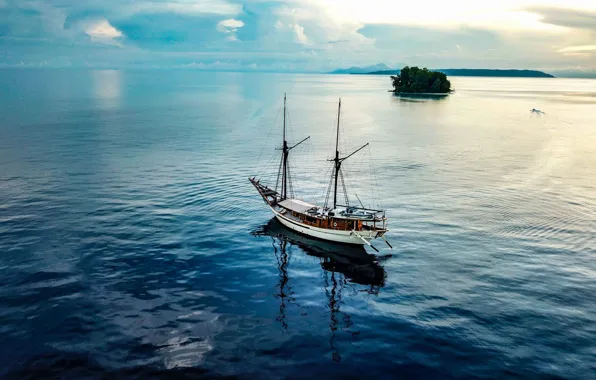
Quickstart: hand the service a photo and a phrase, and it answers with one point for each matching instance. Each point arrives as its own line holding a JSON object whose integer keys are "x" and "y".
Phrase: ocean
{"x": 132, "y": 244}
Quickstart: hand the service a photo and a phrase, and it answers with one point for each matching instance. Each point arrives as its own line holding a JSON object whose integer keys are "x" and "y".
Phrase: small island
{"x": 413, "y": 80}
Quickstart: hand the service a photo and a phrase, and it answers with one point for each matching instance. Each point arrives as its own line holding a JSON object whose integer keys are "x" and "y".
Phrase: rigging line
{"x": 319, "y": 187}
{"x": 350, "y": 169}
{"x": 267, "y": 139}
{"x": 371, "y": 187}
{"x": 354, "y": 166}
{"x": 292, "y": 169}
{"x": 308, "y": 153}
{"x": 346, "y": 183}
{"x": 371, "y": 182}
{"x": 296, "y": 177}
{"x": 272, "y": 163}
{"x": 292, "y": 195}
{"x": 328, "y": 192}
{"x": 361, "y": 204}
{"x": 281, "y": 161}
{"x": 306, "y": 163}
{"x": 289, "y": 179}
{"x": 266, "y": 166}
{"x": 322, "y": 185}
{"x": 374, "y": 176}
{"x": 268, "y": 176}
{"x": 343, "y": 184}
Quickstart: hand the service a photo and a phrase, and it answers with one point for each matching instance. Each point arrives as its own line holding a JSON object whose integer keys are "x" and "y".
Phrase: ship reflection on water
{"x": 342, "y": 263}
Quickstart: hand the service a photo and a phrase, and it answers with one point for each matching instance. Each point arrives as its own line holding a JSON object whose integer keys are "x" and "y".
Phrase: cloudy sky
{"x": 299, "y": 35}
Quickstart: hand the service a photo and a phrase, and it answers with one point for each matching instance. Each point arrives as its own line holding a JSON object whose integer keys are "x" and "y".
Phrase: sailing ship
{"x": 340, "y": 223}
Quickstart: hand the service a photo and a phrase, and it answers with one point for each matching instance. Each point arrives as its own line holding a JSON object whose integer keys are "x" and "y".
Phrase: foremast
{"x": 284, "y": 169}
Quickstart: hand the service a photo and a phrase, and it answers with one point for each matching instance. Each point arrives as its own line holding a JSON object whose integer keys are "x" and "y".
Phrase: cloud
{"x": 102, "y": 31}
{"x": 229, "y": 25}
{"x": 567, "y": 18}
{"x": 172, "y": 32}
{"x": 297, "y": 34}
{"x": 502, "y": 15}
{"x": 300, "y": 36}
{"x": 571, "y": 49}
{"x": 185, "y": 7}
{"x": 295, "y": 29}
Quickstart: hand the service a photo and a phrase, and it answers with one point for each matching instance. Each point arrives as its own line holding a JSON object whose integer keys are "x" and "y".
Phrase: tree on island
{"x": 416, "y": 80}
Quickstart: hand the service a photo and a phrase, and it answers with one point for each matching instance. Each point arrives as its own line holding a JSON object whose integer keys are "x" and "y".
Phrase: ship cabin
{"x": 343, "y": 218}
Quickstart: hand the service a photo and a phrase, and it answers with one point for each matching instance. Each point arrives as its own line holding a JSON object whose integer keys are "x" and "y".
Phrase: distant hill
{"x": 381, "y": 72}
{"x": 361, "y": 70}
{"x": 497, "y": 73}
{"x": 514, "y": 73}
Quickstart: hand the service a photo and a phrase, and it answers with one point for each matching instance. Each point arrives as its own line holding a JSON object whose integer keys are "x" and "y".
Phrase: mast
{"x": 284, "y": 159}
{"x": 284, "y": 183}
{"x": 336, "y": 159}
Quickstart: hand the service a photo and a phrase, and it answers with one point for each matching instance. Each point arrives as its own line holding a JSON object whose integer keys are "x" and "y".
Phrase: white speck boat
{"x": 337, "y": 223}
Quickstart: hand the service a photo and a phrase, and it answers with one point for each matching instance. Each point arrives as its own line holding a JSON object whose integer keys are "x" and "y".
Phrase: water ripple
{"x": 133, "y": 245}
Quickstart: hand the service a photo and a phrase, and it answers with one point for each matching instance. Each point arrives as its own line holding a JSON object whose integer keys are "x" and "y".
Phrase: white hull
{"x": 347, "y": 237}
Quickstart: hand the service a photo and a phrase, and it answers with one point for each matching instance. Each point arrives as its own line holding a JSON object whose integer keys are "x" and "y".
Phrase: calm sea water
{"x": 133, "y": 245}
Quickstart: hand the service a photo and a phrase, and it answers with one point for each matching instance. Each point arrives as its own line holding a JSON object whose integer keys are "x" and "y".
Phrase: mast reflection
{"x": 340, "y": 263}
{"x": 282, "y": 256}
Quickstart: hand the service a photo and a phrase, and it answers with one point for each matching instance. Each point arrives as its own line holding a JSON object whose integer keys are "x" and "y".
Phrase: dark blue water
{"x": 133, "y": 245}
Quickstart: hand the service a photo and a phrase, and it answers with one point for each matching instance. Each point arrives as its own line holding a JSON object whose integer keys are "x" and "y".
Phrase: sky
{"x": 557, "y": 36}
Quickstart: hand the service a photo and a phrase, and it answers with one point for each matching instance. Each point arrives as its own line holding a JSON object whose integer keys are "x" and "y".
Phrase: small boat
{"x": 339, "y": 223}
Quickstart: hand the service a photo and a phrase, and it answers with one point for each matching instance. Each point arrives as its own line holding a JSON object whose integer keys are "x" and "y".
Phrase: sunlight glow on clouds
{"x": 295, "y": 29}
{"x": 230, "y": 26}
{"x": 577, "y": 49}
{"x": 102, "y": 31}
{"x": 300, "y": 36}
{"x": 502, "y": 14}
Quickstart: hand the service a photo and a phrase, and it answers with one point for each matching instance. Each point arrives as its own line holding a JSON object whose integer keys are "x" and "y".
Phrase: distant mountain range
{"x": 363, "y": 70}
{"x": 384, "y": 70}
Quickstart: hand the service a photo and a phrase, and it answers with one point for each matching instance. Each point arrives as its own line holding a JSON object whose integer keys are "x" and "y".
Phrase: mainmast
{"x": 338, "y": 161}
{"x": 284, "y": 178}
